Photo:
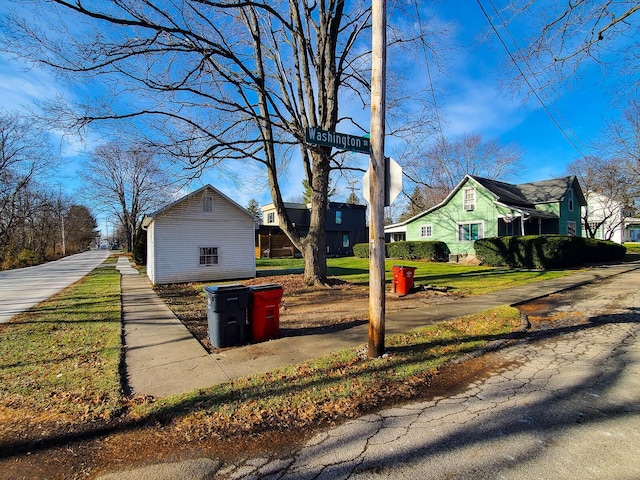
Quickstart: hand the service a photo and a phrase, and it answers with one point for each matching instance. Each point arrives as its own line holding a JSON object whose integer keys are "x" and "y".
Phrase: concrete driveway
{"x": 22, "y": 288}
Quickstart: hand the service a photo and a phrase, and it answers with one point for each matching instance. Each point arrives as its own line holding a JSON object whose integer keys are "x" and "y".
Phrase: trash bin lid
{"x": 265, "y": 287}
{"x": 229, "y": 288}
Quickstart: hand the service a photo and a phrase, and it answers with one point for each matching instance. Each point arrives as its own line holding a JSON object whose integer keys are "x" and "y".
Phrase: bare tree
{"x": 224, "y": 80}
{"x": 611, "y": 179}
{"x": 24, "y": 155}
{"x": 567, "y": 34}
{"x": 621, "y": 140}
{"x": 610, "y": 188}
{"x": 128, "y": 180}
{"x": 443, "y": 164}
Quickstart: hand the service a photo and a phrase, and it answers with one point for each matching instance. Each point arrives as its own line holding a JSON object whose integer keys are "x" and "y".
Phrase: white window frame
{"x": 426, "y": 231}
{"x": 271, "y": 217}
{"x": 469, "y": 199}
{"x": 472, "y": 222}
{"x": 571, "y": 225}
{"x": 209, "y": 256}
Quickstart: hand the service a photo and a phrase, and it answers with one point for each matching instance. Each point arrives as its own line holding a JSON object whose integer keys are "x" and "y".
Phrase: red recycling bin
{"x": 402, "y": 279}
{"x": 264, "y": 311}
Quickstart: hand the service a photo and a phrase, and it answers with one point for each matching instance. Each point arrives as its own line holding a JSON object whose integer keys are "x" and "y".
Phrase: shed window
{"x": 207, "y": 203}
{"x": 468, "y": 232}
{"x": 208, "y": 256}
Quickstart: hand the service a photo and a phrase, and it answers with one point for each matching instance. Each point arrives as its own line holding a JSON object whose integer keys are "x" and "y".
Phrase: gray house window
{"x": 208, "y": 256}
{"x": 570, "y": 194}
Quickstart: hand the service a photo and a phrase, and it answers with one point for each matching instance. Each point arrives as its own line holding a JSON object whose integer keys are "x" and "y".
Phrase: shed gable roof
{"x": 148, "y": 218}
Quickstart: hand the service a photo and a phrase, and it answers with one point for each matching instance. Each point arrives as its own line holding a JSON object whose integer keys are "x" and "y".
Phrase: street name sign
{"x": 328, "y": 138}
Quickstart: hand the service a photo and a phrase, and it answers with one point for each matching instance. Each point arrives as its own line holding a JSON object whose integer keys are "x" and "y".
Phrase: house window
{"x": 271, "y": 217}
{"x": 208, "y": 256}
{"x": 345, "y": 240}
{"x": 469, "y": 199}
{"x": 469, "y": 232}
{"x": 338, "y": 217}
{"x": 570, "y": 194}
{"x": 571, "y": 228}
{"x": 207, "y": 203}
{"x": 426, "y": 231}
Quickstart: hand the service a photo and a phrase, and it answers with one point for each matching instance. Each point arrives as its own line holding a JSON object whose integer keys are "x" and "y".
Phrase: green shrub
{"x": 361, "y": 250}
{"x": 597, "y": 251}
{"x": 434, "y": 251}
{"x": 545, "y": 251}
{"x": 400, "y": 250}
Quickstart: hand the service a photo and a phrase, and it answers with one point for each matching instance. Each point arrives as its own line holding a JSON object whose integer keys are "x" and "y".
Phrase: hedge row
{"x": 432, "y": 251}
{"x": 546, "y": 251}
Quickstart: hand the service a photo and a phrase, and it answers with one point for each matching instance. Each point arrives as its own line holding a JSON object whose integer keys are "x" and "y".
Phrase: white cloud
{"x": 479, "y": 107}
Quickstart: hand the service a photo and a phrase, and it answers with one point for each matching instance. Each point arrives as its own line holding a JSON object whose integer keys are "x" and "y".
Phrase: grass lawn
{"x": 60, "y": 362}
{"x": 466, "y": 279}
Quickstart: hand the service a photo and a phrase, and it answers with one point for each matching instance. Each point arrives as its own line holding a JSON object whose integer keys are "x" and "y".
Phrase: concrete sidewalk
{"x": 163, "y": 358}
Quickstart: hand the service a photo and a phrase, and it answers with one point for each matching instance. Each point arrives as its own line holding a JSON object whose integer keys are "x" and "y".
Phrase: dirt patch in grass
{"x": 304, "y": 310}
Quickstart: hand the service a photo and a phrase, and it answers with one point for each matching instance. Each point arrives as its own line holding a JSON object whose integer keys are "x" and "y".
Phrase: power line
{"x": 533, "y": 90}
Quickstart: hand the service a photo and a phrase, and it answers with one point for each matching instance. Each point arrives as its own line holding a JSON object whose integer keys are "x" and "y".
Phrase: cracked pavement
{"x": 564, "y": 404}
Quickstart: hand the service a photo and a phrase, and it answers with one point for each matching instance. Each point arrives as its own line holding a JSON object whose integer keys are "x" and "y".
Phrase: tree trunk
{"x": 314, "y": 244}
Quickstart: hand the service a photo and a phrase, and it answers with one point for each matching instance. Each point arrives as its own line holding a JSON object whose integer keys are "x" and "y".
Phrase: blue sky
{"x": 469, "y": 95}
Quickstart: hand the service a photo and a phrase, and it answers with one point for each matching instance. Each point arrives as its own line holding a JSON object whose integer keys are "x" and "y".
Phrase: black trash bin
{"x": 227, "y": 314}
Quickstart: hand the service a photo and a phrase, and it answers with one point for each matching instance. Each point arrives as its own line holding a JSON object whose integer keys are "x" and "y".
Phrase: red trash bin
{"x": 402, "y": 279}
{"x": 264, "y": 311}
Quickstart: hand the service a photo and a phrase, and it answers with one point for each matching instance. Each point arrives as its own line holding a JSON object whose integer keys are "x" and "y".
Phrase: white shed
{"x": 204, "y": 236}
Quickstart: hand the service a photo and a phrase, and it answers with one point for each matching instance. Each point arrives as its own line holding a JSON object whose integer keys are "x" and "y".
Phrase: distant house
{"x": 479, "y": 208}
{"x": 345, "y": 225}
{"x": 204, "y": 236}
{"x": 606, "y": 219}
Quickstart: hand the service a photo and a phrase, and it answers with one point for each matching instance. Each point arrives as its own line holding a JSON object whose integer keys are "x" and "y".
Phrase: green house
{"x": 480, "y": 208}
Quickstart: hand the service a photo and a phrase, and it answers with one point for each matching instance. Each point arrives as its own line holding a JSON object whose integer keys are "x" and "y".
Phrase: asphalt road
{"x": 564, "y": 404}
{"x": 22, "y": 288}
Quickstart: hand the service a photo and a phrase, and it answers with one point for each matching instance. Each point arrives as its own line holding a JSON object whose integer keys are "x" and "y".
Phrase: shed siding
{"x": 151, "y": 253}
{"x": 182, "y": 230}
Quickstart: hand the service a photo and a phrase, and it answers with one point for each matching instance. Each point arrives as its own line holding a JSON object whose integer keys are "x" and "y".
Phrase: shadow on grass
{"x": 325, "y": 378}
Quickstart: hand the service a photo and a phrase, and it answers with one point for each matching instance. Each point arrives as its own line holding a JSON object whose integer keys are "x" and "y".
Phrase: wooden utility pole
{"x": 377, "y": 180}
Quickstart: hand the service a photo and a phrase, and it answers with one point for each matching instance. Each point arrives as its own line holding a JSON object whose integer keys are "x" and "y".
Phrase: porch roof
{"x": 530, "y": 212}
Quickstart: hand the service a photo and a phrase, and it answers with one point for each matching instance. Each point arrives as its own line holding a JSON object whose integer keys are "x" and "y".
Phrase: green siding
{"x": 446, "y": 219}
